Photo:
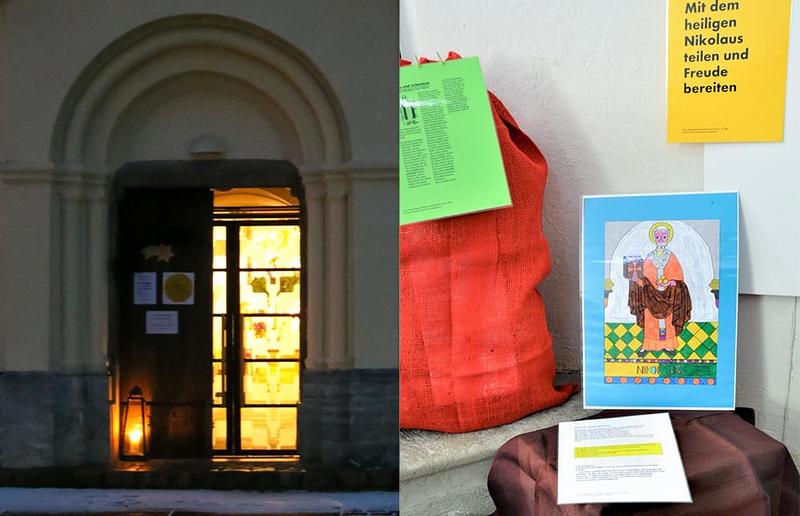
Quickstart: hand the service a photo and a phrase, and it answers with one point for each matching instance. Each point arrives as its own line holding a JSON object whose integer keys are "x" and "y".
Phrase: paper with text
{"x": 450, "y": 162}
{"x": 623, "y": 459}
{"x": 726, "y": 70}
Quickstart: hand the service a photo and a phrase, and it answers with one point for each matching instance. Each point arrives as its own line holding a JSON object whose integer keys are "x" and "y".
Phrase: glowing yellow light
{"x": 135, "y": 436}
{"x": 270, "y": 304}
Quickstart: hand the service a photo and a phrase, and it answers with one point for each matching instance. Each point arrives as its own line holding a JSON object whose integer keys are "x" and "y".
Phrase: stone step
{"x": 444, "y": 473}
{"x": 204, "y": 475}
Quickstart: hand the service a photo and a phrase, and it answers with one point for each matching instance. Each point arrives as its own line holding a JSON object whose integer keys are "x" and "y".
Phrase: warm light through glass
{"x": 268, "y": 323}
{"x": 272, "y": 383}
{"x": 269, "y": 428}
{"x": 133, "y": 431}
{"x": 269, "y": 292}
{"x": 135, "y": 437}
{"x": 220, "y": 251}
{"x": 270, "y": 337}
{"x": 219, "y": 428}
{"x": 220, "y": 293}
{"x": 218, "y": 337}
{"x": 218, "y": 387}
{"x": 269, "y": 247}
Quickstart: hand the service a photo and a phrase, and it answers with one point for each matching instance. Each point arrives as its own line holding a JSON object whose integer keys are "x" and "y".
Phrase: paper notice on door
{"x": 144, "y": 288}
{"x": 161, "y": 322}
{"x": 623, "y": 459}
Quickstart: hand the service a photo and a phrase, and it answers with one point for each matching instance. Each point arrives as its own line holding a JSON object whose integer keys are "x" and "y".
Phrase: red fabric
{"x": 732, "y": 469}
{"x": 425, "y": 60}
{"x": 475, "y": 351}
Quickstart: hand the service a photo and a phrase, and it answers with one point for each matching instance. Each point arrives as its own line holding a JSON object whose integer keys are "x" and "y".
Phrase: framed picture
{"x": 659, "y": 291}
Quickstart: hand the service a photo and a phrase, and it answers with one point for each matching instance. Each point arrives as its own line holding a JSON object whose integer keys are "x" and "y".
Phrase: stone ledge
{"x": 198, "y": 474}
{"x": 425, "y": 453}
{"x": 446, "y": 473}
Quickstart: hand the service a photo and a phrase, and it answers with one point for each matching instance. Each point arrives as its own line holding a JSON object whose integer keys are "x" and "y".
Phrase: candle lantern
{"x": 133, "y": 432}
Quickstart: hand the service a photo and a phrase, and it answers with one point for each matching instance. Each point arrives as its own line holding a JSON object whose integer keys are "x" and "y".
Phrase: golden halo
{"x": 666, "y": 225}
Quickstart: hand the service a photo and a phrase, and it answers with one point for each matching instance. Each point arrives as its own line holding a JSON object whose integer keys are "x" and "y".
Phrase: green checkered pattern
{"x": 697, "y": 341}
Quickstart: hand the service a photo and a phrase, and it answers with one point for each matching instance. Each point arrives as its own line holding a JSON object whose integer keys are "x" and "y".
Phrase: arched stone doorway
{"x": 221, "y": 372}
{"x": 166, "y": 91}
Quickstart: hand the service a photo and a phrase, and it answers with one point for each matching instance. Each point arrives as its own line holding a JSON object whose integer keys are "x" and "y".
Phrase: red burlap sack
{"x": 475, "y": 351}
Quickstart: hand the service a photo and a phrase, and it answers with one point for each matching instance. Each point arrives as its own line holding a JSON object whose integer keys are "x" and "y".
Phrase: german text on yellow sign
{"x": 727, "y": 70}
{"x": 618, "y": 450}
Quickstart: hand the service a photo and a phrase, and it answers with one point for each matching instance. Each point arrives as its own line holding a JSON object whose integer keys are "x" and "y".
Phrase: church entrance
{"x": 208, "y": 305}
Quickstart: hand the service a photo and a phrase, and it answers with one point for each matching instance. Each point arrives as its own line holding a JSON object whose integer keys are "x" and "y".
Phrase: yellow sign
{"x": 618, "y": 450}
{"x": 727, "y": 70}
{"x": 178, "y": 288}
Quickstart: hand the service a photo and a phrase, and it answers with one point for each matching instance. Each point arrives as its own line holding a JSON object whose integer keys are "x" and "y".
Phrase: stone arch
{"x": 167, "y": 47}
{"x": 139, "y": 71}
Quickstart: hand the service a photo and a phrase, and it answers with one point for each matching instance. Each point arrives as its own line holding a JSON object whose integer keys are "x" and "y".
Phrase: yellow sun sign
{"x": 178, "y": 288}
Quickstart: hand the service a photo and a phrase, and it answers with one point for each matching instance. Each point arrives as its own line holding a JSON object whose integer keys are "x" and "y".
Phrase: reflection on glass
{"x": 274, "y": 383}
{"x": 269, "y": 292}
{"x": 219, "y": 247}
{"x": 219, "y": 428}
{"x": 271, "y": 337}
{"x": 219, "y": 293}
{"x": 218, "y": 386}
{"x": 269, "y": 428}
{"x": 216, "y": 341}
{"x": 269, "y": 247}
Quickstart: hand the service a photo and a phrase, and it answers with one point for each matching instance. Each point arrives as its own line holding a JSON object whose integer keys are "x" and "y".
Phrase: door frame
{"x": 233, "y": 327}
{"x": 174, "y": 174}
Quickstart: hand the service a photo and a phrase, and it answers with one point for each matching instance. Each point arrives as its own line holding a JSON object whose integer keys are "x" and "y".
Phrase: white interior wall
{"x": 586, "y": 80}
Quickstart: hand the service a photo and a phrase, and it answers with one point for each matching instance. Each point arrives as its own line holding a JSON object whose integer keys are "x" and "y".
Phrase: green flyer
{"x": 450, "y": 161}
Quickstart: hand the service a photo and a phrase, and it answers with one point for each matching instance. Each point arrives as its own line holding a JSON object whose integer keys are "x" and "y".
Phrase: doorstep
{"x": 441, "y": 473}
{"x": 158, "y": 502}
{"x": 257, "y": 475}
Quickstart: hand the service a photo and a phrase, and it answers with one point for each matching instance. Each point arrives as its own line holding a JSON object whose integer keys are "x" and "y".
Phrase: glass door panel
{"x": 271, "y": 337}
{"x": 218, "y": 387}
{"x": 217, "y": 337}
{"x": 269, "y": 247}
{"x": 220, "y": 251}
{"x": 256, "y": 336}
{"x": 271, "y": 383}
{"x": 220, "y": 289}
{"x": 219, "y": 301}
{"x": 269, "y": 428}
{"x": 219, "y": 428}
{"x": 269, "y": 292}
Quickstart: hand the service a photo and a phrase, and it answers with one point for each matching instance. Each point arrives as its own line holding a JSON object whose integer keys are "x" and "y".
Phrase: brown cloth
{"x": 732, "y": 469}
{"x": 674, "y": 300}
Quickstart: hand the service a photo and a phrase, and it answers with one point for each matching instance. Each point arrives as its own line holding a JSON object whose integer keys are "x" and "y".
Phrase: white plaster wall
{"x": 167, "y": 131}
{"x": 586, "y": 80}
{"x": 376, "y": 273}
{"x": 25, "y": 278}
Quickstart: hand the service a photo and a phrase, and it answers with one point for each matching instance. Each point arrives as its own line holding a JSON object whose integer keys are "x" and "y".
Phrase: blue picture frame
{"x": 650, "y": 255}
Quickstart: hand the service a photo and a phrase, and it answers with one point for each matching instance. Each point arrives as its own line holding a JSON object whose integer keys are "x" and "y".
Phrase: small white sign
{"x": 177, "y": 288}
{"x": 621, "y": 459}
{"x": 144, "y": 288}
{"x": 161, "y": 322}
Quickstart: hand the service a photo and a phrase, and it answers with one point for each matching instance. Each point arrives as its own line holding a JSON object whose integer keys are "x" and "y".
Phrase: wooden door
{"x": 163, "y": 302}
